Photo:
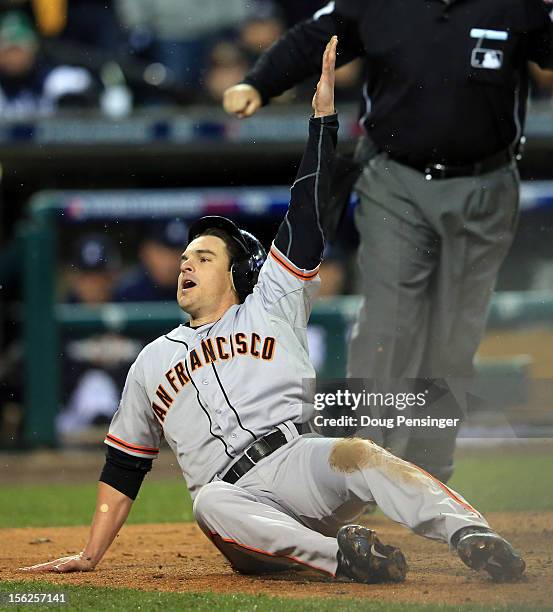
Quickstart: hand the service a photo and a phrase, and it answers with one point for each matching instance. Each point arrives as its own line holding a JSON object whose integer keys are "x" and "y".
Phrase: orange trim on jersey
{"x": 289, "y": 267}
{"x": 447, "y": 490}
{"x": 269, "y": 554}
{"x": 132, "y": 447}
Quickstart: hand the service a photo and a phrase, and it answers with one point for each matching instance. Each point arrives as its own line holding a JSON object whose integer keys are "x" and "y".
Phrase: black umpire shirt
{"x": 446, "y": 82}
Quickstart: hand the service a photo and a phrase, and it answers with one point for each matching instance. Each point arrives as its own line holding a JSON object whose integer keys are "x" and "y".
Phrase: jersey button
{"x": 218, "y": 411}
{"x": 205, "y": 382}
{"x": 233, "y": 435}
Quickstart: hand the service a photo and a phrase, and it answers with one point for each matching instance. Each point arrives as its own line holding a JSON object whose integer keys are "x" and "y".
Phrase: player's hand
{"x": 323, "y": 100}
{"x": 73, "y": 563}
{"x": 242, "y": 100}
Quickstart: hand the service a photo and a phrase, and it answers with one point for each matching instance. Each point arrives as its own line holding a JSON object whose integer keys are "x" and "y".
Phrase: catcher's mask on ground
{"x": 246, "y": 253}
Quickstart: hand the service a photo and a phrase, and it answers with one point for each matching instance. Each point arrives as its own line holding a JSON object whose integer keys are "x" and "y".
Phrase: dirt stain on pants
{"x": 351, "y": 454}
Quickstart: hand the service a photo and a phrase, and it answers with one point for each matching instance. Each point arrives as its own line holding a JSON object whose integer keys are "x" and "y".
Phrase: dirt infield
{"x": 177, "y": 557}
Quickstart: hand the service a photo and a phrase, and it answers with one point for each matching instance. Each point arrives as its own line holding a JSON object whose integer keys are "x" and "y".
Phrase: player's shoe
{"x": 483, "y": 549}
{"x": 363, "y": 558}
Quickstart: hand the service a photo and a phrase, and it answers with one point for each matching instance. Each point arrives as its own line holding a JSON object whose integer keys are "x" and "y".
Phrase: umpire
{"x": 444, "y": 106}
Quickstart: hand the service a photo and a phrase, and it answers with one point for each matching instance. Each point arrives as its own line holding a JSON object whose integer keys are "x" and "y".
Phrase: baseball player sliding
{"x": 226, "y": 391}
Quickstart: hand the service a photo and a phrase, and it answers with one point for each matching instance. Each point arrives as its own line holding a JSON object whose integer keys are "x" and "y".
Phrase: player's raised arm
{"x": 299, "y": 242}
{"x": 323, "y": 100}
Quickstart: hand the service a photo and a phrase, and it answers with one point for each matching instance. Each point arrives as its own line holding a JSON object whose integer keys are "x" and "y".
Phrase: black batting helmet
{"x": 245, "y": 268}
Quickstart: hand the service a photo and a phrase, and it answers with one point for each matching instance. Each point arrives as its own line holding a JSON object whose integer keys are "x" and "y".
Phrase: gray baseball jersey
{"x": 213, "y": 390}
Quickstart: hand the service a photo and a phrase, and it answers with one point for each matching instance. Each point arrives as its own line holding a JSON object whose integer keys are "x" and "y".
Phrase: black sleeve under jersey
{"x": 300, "y": 235}
{"x": 124, "y": 472}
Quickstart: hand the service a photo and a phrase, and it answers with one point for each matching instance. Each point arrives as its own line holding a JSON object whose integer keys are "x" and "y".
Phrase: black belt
{"x": 261, "y": 448}
{"x": 442, "y": 171}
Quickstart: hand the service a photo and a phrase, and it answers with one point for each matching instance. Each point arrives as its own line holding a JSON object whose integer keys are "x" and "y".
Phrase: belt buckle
{"x": 250, "y": 447}
{"x": 254, "y": 462}
{"x": 431, "y": 168}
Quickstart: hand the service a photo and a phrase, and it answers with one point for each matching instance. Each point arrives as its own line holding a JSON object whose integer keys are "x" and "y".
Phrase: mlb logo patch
{"x": 490, "y": 59}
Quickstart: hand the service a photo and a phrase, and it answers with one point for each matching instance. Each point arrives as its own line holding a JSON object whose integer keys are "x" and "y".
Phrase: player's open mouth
{"x": 188, "y": 284}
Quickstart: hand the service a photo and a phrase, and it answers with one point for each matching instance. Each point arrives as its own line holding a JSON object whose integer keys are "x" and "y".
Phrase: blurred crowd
{"x": 116, "y": 55}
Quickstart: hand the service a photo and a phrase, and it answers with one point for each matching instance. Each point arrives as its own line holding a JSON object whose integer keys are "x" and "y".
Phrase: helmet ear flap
{"x": 241, "y": 274}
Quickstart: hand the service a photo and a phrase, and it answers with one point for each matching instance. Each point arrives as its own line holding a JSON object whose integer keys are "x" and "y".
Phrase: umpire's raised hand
{"x": 323, "y": 100}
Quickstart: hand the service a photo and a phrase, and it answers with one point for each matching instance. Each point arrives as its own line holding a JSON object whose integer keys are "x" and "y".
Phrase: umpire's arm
{"x": 297, "y": 55}
{"x": 293, "y": 58}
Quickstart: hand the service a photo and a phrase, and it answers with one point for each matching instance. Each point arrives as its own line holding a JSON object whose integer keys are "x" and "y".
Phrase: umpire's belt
{"x": 261, "y": 448}
{"x": 443, "y": 171}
